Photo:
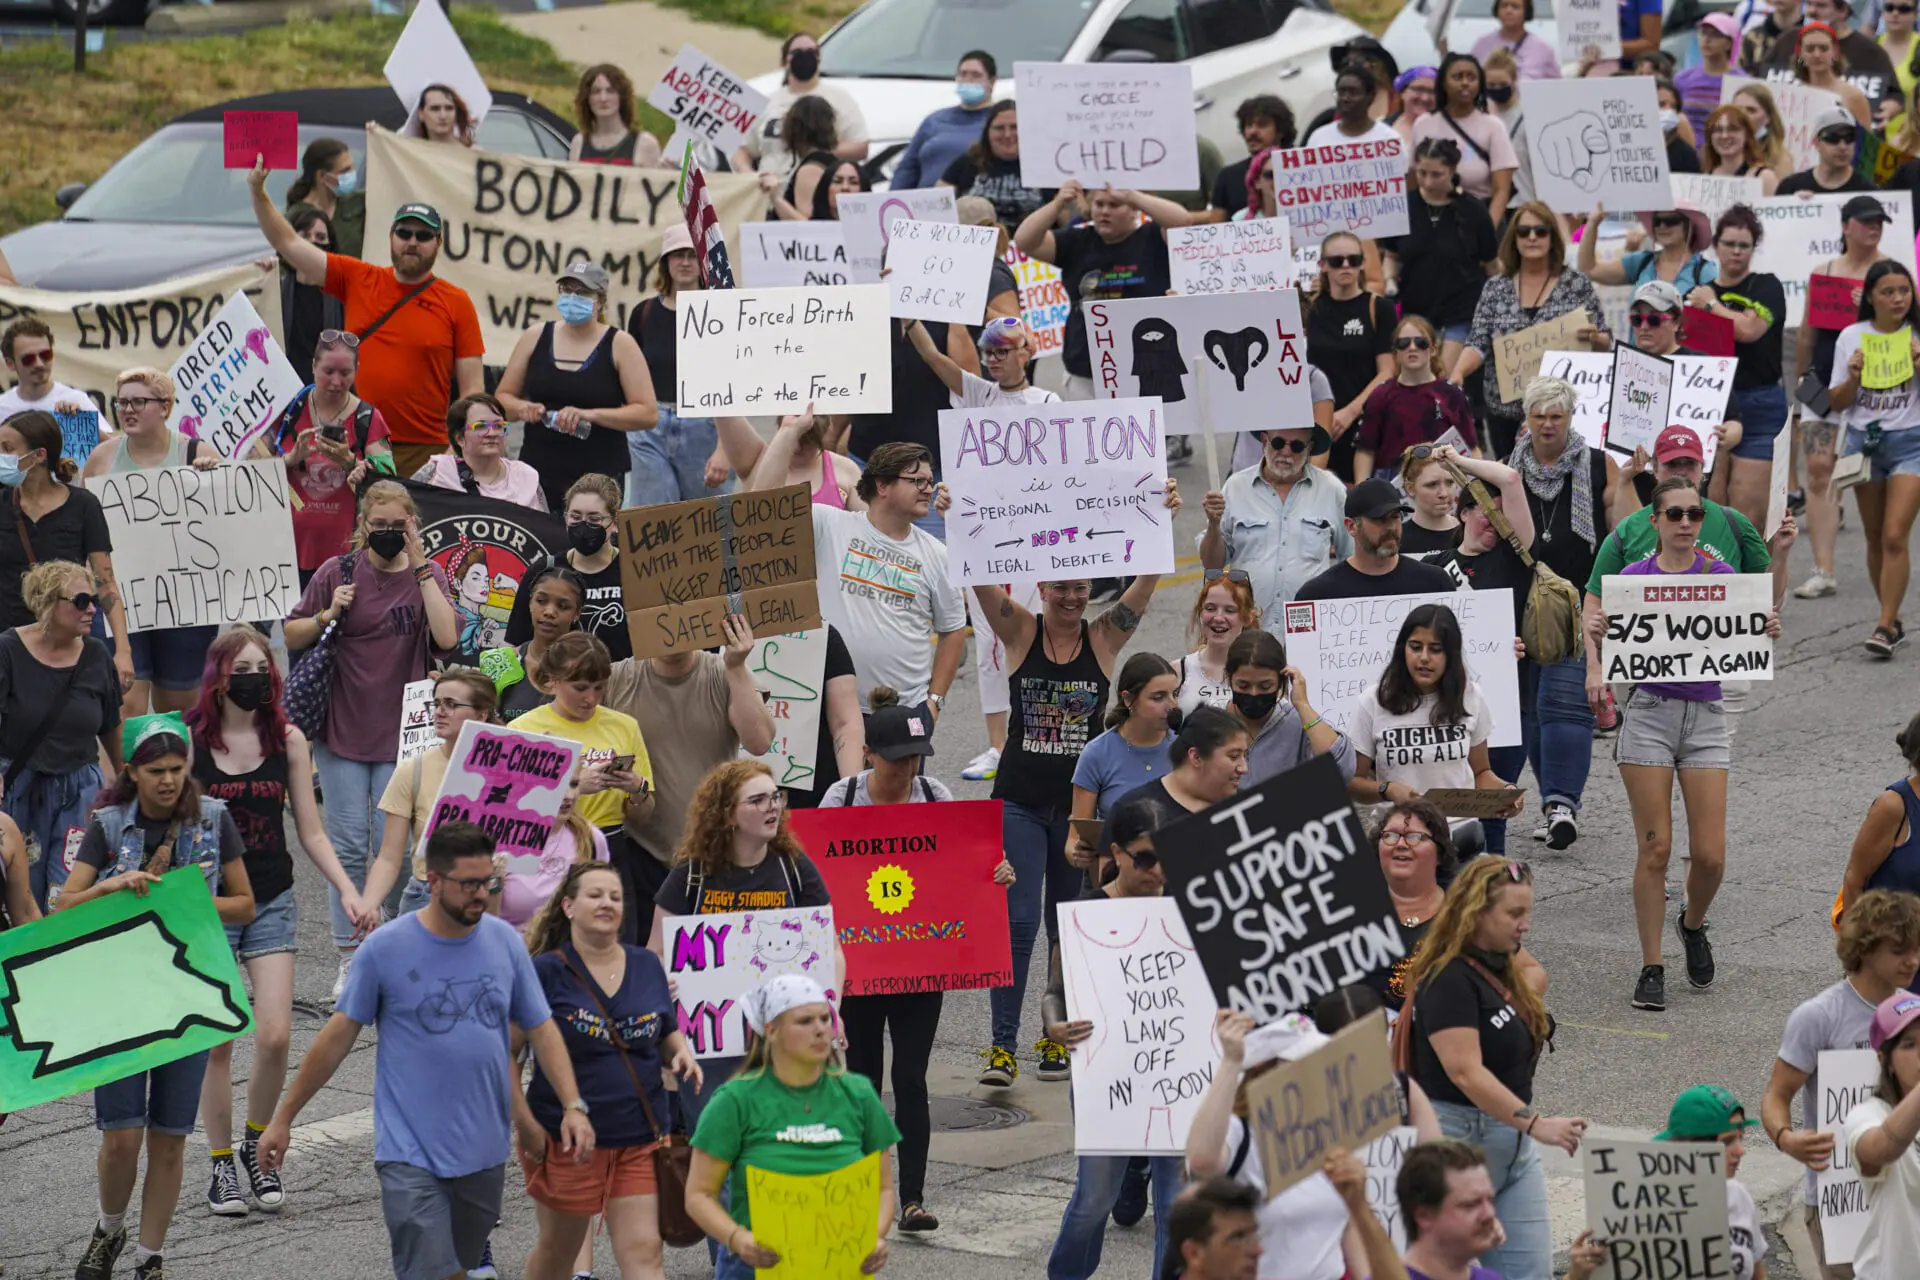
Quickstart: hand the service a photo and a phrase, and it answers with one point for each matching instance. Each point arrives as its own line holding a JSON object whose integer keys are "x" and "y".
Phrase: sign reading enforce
{"x": 508, "y": 782}
{"x": 1672, "y": 628}
{"x": 1121, "y": 124}
{"x": 1343, "y": 1094}
{"x": 707, "y": 101}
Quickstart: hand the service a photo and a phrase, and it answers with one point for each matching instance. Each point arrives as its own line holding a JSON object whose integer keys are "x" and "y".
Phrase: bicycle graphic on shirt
{"x": 448, "y": 1007}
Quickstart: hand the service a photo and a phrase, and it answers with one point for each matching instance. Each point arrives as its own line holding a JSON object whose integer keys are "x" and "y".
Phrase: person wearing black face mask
{"x": 1283, "y": 734}
{"x": 593, "y": 553}
{"x": 764, "y": 151}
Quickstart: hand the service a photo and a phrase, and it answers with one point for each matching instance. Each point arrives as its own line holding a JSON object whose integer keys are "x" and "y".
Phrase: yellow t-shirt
{"x": 409, "y": 794}
{"x": 608, "y": 734}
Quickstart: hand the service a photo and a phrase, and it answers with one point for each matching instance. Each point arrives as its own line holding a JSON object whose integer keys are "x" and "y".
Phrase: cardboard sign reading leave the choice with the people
{"x": 1680, "y": 628}
{"x": 1846, "y": 1078}
{"x": 940, "y": 271}
{"x": 1344, "y": 1094}
{"x": 508, "y": 782}
{"x": 774, "y": 351}
{"x": 1231, "y": 257}
{"x": 1347, "y": 186}
{"x": 1127, "y": 125}
{"x": 707, "y": 101}
{"x": 272, "y": 136}
{"x": 1597, "y": 142}
{"x": 1658, "y": 1209}
{"x": 715, "y": 958}
{"x": 1251, "y": 345}
{"x": 686, "y": 565}
{"x": 233, "y": 383}
{"x": 867, "y": 220}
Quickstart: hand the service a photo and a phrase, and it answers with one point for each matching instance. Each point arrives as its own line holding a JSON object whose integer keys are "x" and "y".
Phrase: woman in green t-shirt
{"x": 791, "y": 1109}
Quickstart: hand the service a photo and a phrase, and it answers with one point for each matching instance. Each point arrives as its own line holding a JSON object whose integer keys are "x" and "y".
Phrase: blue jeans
{"x": 1036, "y": 845}
{"x": 1558, "y": 730}
{"x": 352, "y": 790}
{"x": 688, "y": 1103}
{"x": 1507, "y": 763}
{"x": 1519, "y": 1191}
{"x": 670, "y": 461}
{"x": 1763, "y": 413}
{"x": 51, "y": 811}
{"x": 1083, "y": 1227}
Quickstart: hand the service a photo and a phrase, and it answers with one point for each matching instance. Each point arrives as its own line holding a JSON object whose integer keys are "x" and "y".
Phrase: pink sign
{"x": 273, "y": 134}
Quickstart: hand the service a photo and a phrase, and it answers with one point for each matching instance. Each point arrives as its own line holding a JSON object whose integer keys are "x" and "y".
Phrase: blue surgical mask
{"x": 574, "y": 308}
{"x": 971, "y": 94}
{"x": 11, "y": 475}
{"x": 345, "y": 184}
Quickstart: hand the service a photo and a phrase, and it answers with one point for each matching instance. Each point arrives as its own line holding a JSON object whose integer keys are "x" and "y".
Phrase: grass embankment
{"x": 775, "y": 17}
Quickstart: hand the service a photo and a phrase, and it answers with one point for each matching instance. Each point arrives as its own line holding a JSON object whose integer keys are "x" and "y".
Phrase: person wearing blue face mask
{"x": 330, "y": 185}
{"x": 944, "y": 136}
{"x": 580, "y": 385}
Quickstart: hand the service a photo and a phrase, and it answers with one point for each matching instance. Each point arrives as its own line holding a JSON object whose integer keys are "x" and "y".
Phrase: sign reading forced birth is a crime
{"x": 173, "y": 989}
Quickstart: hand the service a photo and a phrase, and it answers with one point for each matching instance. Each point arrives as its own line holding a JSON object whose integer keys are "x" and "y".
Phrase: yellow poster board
{"x": 1888, "y": 359}
{"x": 823, "y": 1226}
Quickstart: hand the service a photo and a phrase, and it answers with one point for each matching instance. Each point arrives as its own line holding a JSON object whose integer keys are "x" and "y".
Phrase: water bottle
{"x": 580, "y": 431}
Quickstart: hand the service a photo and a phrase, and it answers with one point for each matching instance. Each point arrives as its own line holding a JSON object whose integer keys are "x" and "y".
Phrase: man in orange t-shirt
{"x": 420, "y": 347}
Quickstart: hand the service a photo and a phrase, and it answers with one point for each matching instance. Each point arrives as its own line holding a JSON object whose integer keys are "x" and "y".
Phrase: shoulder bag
{"x": 1549, "y": 622}
{"x": 38, "y": 734}
{"x": 310, "y": 682}
{"x": 387, "y": 315}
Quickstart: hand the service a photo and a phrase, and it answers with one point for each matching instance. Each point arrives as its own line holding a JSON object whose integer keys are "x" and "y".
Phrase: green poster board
{"x": 115, "y": 986}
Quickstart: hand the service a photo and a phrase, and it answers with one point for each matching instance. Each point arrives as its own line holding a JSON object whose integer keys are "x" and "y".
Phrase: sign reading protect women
{"x": 1802, "y": 232}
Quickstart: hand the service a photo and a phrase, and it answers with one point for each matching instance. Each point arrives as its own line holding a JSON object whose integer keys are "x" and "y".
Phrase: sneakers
{"x": 915, "y": 1218}
{"x": 486, "y": 1270}
{"x": 1880, "y": 644}
{"x": 1650, "y": 993}
{"x": 1699, "y": 951}
{"x": 1001, "y": 1067}
{"x": 154, "y": 1268}
{"x": 1820, "y": 584}
{"x": 223, "y": 1193}
{"x": 1562, "y": 830}
{"x": 982, "y": 767}
{"x": 1132, "y": 1204}
{"x": 102, "y": 1252}
{"x": 1053, "y": 1059}
{"x": 1544, "y": 828}
{"x": 265, "y": 1187}
{"x": 340, "y": 979}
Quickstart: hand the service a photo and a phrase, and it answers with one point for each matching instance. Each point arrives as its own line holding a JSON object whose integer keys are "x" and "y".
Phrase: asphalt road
{"x": 1814, "y": 748}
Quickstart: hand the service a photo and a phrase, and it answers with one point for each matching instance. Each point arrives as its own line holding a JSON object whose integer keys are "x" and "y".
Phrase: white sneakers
{"x": 1820, "y": 584}
{"x": 982, "y": 767}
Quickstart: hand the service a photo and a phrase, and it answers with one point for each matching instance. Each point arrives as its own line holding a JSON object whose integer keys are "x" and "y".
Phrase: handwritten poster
{"x": 707, "y": 101}
{"x": 272, "y": 136}
{"x": 1803, "y": 233}
{"x": 1343, "y": 1094}
{"x": 1384, "y": 1157}
{"x": 1637, "y": 408}
{"x": 1251, "y": 344}
{"x": 416, "y": 719}
{"x": 1798, "y": 105}
{"x": 508, "y": 782}
{"x": 1597, "y": 142}
{"x": 1705, "y": 626}
{"x": 1231, "y": 257}
{"x": 759, "y": 351}
{"x": 1128, "y": 125}
{"x": 1833, "y": 302}
{"x": 1705, "y": 332}
{"x": 233, "y": 383}
{"x": 823, "y": 1225}
{"x": 1517, "y": 355}
{"x": 1714, "y": 195}
{"x": 1847, "y": 1077}
{"x": 1587, "y": 28}
{"x": 790, "y": 672}
{"x": 1349, "y": 186}
{"x": 1886, "y": 359}
{"x": 79, "y": 434}
{"x": 1698, "y": 401}
{"x": 1657, "y": 1204}
{"x": 940, "y": 270}
{"x": 867, "y": 219}
{"x": 716, "y": 958}
{"x": 1043, "y": 301}
{"x": 791, "y": 255}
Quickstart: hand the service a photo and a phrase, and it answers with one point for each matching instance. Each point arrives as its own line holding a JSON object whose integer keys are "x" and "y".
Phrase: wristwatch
{"x": 1383, "y": 790}
{"x": 578, "y": 1104}
{"x": 937, "y": 700}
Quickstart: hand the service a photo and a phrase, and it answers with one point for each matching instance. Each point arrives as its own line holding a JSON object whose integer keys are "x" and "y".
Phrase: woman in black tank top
{"x": 580, "y": 385}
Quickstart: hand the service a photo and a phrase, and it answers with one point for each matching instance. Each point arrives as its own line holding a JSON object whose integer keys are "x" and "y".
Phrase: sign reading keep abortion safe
{"x": 708, "y": 101}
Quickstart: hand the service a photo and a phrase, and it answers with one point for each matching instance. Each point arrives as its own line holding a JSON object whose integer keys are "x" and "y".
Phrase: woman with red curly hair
{"x": 1223, "y": 609}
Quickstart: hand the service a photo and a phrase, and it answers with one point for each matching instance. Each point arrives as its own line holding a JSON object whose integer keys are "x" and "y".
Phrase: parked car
{"x": 1415, "y": 33}
{"x": 170, "y": 207}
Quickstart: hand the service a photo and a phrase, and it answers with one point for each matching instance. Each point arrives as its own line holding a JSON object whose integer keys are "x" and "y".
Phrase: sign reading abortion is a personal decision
{"x": 1676, "y": 628}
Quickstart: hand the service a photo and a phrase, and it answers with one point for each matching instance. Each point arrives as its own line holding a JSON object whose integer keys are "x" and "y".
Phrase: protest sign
{"x": 484, "y": 546}
{"x": 1701, "y": 389}
{"x": 1597, "y": 141}
{"x": 273, "y": 136}
{"x": 1833, "y": 302}
{"x": 416, "y": 719}
{"x": 1705, "y": 332}
{"x": 1886, "y": 359}
{"x": 1637, "y": 404}
{"x": 1045, "y": 491}
{"x": 716, "y": 958}
{"x": 201, "y": 548}
{"x": 1347, "y": 186}
{"x": 1342, "y": 646}
{"x": 755, "y": 351}
{"x": 1343, "y": 1094}
{"x": 1587, "y": 28}
{"x": 1043, "y": 301}
{"x": 1714, "y": 195}
{"x": 1231, "y": 257}
{"x": 1127, "y": 125}
{"x": 707, "y": 101}
{"x": 1691, "y": 627}
{"x": 1878, "y": 160}
{"x": 1253, "y": 343}
{"x": 508, "y": 782}
{"x": 1516, "y": 356}
{"x": 1130, "y": 970}
{"x": 1659, "y": 1209}
{"x": 97, "y": 334}
{"x": 231, "y": 386}
{"x": 1803, "y": 233}
{"x": 79, "y": 434}
{"x": 1282, "y": 894}
{"x": 1847, "y": 1077}
{"x": 915, "y": 905}
{"x": 1384, "y": 1157}
{"x": 1777, "y": 486}
{"x": 689, "y": 564}
{"x": 1472, "y": 802}
{"x": 823, "y": 1226}
{"x": 793, "y": 255}
{"x": 940, "y": 270}
{"x": 867, "y": 218}
{"x": 172, "y": 990}
{"x": 429, "y": 52}
{"x": 1306, "y": 266}
{"x": 513, "y": 223}
{"x": 1798, "y": 104}
{"x": 790, "y": 672}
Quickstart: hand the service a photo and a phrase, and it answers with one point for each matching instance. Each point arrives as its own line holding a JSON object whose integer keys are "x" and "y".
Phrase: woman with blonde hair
{"x": 1756, "y": 103}
{"x": 603, "y": 110}
{"x": 1416, "y": 407}
{"x": 1730, "y": 149}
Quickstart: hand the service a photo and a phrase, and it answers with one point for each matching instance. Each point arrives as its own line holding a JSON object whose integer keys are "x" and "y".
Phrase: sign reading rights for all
{"x": 508, "y": 782}
{"x": 1231, "y": 257}
{"x": 233, "y": 383}
{"x": 1121, "y": 124}
{"x": 716, "y": 958}
{"x": 707, "y": 101}
{"x": 1350, "y": 186}
{"x": 1673, "y": 628}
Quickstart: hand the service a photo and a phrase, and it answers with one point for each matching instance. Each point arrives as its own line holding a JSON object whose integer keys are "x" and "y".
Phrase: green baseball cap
{"x": 419, "y": 213}
{"x": 1704, "y": 1111}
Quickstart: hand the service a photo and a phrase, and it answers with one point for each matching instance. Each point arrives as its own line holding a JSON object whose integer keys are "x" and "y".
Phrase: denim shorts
{"x": 1761, "y": 413}
{"x": 437, "y": 1227}
{"x": 270, "y": 932}
{"x": 1898, "y": 454}
{"x": 415, "y": 896}
{"x": 1455, "y": 333}
{"x": 172, "y": 659}
{"x": 165, "y": 1099}
{"x": 1672, "y": 733}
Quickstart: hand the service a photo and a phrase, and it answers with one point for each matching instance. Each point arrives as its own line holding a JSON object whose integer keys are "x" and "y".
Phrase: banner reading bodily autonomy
{"x": 1686, "y": 627}
{"x": 484, "y": 546}
{"x": 508, "y": 782}
{"x": 716, "y": 958}
{"x": 914, "y": 899}
{"x": 1349, "y": 186}
{"x": 231, "y": 386}
{"x": 512, "y": 223}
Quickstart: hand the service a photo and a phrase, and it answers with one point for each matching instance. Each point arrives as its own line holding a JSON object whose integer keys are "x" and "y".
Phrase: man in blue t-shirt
{"x": 442, "y": 985}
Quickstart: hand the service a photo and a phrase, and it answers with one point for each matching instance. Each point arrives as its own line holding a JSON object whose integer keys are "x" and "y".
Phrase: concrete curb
{"x": 244, "y": 15}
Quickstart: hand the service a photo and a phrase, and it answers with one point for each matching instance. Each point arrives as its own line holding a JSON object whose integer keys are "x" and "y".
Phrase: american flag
{"x": 716, "y": 272}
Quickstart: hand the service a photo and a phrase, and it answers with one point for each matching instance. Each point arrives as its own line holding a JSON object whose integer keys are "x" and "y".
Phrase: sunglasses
{"x": 1533, "y": 231}
{"x": 1231, "y": 575}
{"x": 1669, "y": 220}
{"x": 1519, "y": 872}
{"x": 1839, "y": 137}
{"x": 1145, "y": 860}
{"x": 488, "y": 427}
{"x": 1648, "y": 319}
{"x": 1280, "y": 444}
{"x": 1896, "y": 8}
{"x": 34, "y": 359}
{"x": 1416, "y": 342}
{"x": 339, "y": 338}
{"x": 1343, "y": 259}
{"x": 83, "y": 600}
{"x": 409, "y": 234}
{"x": 1692, "y": 515}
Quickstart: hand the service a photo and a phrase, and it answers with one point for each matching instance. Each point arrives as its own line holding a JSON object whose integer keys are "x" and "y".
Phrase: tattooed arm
{"x": 1112, "y": 630}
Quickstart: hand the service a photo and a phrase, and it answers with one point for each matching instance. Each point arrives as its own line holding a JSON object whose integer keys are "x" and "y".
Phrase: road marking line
{"x": 1618, "y": 1031}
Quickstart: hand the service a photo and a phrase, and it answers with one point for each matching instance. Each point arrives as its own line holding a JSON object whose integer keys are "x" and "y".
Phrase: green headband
{"x": 138, "y": 729}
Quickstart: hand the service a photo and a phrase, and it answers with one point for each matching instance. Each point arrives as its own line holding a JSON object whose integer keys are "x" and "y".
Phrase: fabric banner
{"x": 790, "y": 672}
{"x": 484, "y": 545}
{"x": 508, "y": 782}
{"x": 715, "y": 959}
{"x": 914, "y": 898}
{"x": 1344, "y": 1094}
{"x": 823, "y": 1225}
{"x": 1659, "y": 1209}
{"x": 1686, "y": 627}
{"x": 1847, "y": 1078}
{"x": 514, "y": 222}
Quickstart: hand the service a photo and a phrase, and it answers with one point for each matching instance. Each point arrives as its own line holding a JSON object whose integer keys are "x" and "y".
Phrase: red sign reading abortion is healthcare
{"x": 914, "y": 900}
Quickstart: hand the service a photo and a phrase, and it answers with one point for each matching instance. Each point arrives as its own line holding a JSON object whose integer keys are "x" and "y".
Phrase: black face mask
{"x": 804, "y": 64}
{"x": 249, "y": 690}
{"x": 586, "y": 538}
{"x": 387, "y": 543}
{"x": 1256, "y": 706}
{"x": 1501, "y": 93}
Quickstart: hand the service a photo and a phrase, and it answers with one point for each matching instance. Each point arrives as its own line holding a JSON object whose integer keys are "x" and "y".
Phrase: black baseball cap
{"x": 1374, "y": 500}
{"x": 1864, "y": 209}
{"x": 896, "y": 732}
{"x": 418, "y": 213}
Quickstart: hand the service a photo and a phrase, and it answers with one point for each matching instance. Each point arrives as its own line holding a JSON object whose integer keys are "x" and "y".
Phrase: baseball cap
{"x": 1375, "y": 500}
{"x": 1895, "y": 1014}
{"x": 674, "y": 238}
{"x": 1657, "y": 294}
{"x": 418, "y": 213}
{"x": 1834, "y": 118}
{"x": 1678, "y": 442}
{"x": 896, "y": 732}
{"x": 1723, "y": 23}
{"x": 1864, "y": 209}
{"x": 1363, "y": 46}
{"x": 583, "y": 272}
{"x": 1704, "y": 1111}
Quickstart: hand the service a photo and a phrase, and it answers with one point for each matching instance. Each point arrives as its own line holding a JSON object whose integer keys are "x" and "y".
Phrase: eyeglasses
{"x": 1231, "y": 575}
{"x": 489, "y": 883}
{"x": 411, "y": 235}
{"x": 923, "y": 483}
{"x": 1692, "y": 515}
{"x": 82, "y": 600}
{"x": 386, "y": 526}
{"x": 34, "y": 359}
{"x": 1839, "y": 137}
{"x": 1669, "y": 219}
{"x": 1413, "y": 341}
{"x": 1281, "y": 444}
{"x": 1533, "y": 231}
{"x": 1649, "y": 319}
{"x": 488, "y": 427}
{"x": 448, "y": 704}
{"x": 1343, "y": 259}
{"x": 133, "y": 404}
{"x": 605, "y": 522}
{"x": 765, "y": 800}
{"x": 1405, "y": 837}
{"x": 339, "y": 338}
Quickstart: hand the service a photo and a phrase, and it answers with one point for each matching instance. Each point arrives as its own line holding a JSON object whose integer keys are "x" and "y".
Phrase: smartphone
{"x": 336, "y": 433}
{"x": 621, "y": 764}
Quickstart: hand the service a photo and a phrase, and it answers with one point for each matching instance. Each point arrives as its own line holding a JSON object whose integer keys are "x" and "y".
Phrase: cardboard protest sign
{"x": 793, "y": 255}
{"x": 508, "y": 782}
{"x": 484, "y": 546}
{"x": 1637, "y": 406}
{"x": 755, "y": 351}
{"x": 1846, "y": 1078}
{"x": 270, "y": 135}
{"x": 1833, "y": 302}
{"x": 1597, "y": 141}
{"x": 1714, "y": 195}
{"x": 790, "y": 672}
{"x": 512, "y": 223}
{"x": 1341, "y": 647}
{"x": 233, "y": 383}
{"x": 1282, "y": 894}
{"x": 823, "y": 1225}
{"x": 1384, "y": 1157}
{"x": 416, "y": 719}
{"x": 707, "y": 101}
{"x": 1705, "y": 332}
{"x": 1658, "y": 1208}
{"x": 1344, "y": 1094}
{"x": 1688, "y": 627}
{"x": 1471, "y": 802}
{"x": 79, "y": 434}
{"x": 202, "y": 548}
{"x": 1252, "y": 343}
{"x": 1348, "y": 186}
{"x": 1041, "y": 491}
{"x": 1231, "y": 257}
{"x": 716, "y": 958}
{"x": 1777, "y": 487}
{"x": 1130, "y": 969}
{"x": 1128, "y": 125}
{"x": 429, "y": 52}
{"x": 1798, "y": 104}
{"x": 915, "y": 904}
{"x": 1886, "y": 359}
{"x": 174, "y": 990}
{"x": 1516, "y": 356}
{"x": 867, "y": 218}
{"x": 1043, "y": 301}
{"x": 686, "y": 565}
{"x": 1587, "y": 28}
{"x": 97, "y": 334}
{"x": 1803, "y": 233}
{"x": 940, "y": 270}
